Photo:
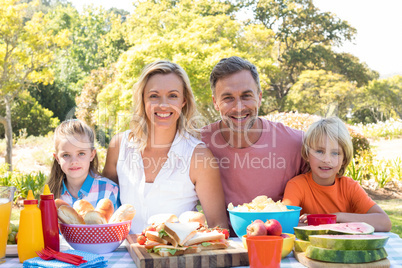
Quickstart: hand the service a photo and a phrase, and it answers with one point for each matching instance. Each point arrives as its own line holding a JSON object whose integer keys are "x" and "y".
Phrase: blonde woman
{"x": 159, "y": 164}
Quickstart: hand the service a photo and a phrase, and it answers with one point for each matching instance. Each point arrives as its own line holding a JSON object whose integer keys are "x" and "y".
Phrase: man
{"x": 256, "y": 156}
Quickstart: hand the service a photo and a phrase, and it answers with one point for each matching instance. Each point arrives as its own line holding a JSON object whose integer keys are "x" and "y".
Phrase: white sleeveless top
{"x": 171, "y": 192}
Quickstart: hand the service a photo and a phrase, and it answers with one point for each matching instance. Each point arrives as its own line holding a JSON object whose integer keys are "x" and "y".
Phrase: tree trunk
{"x": 9, "y": 135}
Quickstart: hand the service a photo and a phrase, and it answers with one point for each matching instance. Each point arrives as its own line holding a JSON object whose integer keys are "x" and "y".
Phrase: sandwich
{"x": 208, "y": 240}
{"x": 179, "y": 232}
{"x": 168, "y": 250}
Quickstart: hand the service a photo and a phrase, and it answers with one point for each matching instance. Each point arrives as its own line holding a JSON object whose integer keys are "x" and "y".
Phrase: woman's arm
{"x": 375, "y": 216}
{"x": 204, "y": 173}
{"x": 112, "y": 156}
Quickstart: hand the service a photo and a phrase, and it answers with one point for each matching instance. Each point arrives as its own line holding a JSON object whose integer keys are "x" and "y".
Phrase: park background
{"x": 61, "y": 61}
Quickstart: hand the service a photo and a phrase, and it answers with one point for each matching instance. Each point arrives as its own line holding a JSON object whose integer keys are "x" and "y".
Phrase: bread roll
{"x": 192, "y": 216}
{"x": 82, "y": 207}
{"x": 125, "y": 212}
{"x": 105, "y": 207}
{"x": 94, "y": 217}
{"x": 68, "y": 215}
{"x": 162, "y": 218}
{"x": 60, "y": 202}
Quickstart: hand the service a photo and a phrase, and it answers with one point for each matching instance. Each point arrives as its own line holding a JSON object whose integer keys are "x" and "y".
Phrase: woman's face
{"x": 163, "y": 100}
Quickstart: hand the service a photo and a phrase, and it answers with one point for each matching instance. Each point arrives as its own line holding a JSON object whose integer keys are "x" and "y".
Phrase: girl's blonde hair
{"x": 335, "y": 130}
{"x": 186, "y": 122}
{"x": 70, "y": 128}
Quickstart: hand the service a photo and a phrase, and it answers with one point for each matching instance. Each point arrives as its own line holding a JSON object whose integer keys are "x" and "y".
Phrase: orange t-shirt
{"x": 345, "y": 195}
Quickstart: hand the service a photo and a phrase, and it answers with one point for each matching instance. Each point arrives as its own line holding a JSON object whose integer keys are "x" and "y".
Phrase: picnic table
{"x": 120, "y": 258}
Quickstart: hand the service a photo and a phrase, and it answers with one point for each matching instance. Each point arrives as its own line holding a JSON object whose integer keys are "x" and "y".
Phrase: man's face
{"x": 237, "y": 99}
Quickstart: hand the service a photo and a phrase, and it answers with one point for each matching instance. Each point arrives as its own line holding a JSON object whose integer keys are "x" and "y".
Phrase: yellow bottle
{"x": 30, "y": 234}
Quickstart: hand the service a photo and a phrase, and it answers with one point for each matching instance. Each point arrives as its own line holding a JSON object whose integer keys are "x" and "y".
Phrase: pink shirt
{"x": 261, "y": 169}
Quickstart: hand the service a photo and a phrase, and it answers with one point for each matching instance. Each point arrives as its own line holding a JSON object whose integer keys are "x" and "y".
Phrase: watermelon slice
{"x": 351, "y": 228}
{"x": 345, "y": 256}
{"x": 349, "y": 242}
{"x": 301, "y": 245}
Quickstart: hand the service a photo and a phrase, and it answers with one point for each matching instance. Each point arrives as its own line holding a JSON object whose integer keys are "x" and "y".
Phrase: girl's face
{"x": 163, "y": 100}
{"x": 74, "y": 155}
{"x": 325, "y": 160}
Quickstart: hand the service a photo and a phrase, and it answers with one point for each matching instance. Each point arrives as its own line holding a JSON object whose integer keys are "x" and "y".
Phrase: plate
{"x": 11, "y": 251}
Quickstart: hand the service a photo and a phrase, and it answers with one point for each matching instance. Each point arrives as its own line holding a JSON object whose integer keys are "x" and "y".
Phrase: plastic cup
{"x": 317, "y": 219}
{"x": 6, "y": 199}
{"x": 264, "y": 251}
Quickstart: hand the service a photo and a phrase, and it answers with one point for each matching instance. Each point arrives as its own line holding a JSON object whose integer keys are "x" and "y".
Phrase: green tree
{"x": 26, "y": 52}
{"x": 322, "y": 93}
{"x": 380, "y": 100}
{"x": 196, "y": 35}
{"x": 303, "y": 37}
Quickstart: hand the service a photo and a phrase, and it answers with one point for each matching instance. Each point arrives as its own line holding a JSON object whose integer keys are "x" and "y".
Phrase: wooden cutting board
{"x": 234, "y": 255}
{"x": 301, "y": 257}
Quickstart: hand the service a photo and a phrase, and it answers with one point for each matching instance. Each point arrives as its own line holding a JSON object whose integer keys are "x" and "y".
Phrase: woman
{"x": 159, "y": 163}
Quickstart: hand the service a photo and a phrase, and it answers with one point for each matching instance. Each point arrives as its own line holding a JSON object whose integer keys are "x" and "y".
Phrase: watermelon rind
{"x": 345, "y": 256}
{"x": 301, "y": 245}
{"x": 348, "y": 242}
{"x": 304, "y": 232}
{"x": 351, "y": 228}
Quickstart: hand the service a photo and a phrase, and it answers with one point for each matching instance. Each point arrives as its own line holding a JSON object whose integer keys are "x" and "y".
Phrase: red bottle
{"x": 50, "y": 225}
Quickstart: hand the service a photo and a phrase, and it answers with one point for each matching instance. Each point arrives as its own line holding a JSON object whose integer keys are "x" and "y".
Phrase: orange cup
{"x": 264, "y": 251}
{"x": 317, "y": 219}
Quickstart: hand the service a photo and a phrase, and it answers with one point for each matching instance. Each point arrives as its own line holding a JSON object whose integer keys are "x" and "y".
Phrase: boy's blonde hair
{"x": 72, "y": 127}
{"x": 186, "y": 122}
{"x": 335, "y": 130}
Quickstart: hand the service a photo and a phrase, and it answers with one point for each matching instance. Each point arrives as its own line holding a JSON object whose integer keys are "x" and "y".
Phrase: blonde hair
{"x": 186, "y": 122}
{"x": 70, "y": 128}
{"x": 335, "y": 130}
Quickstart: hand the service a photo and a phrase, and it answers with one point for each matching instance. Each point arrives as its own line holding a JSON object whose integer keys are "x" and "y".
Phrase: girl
{"x": 74, "y": 173}
{"x": 328, "y": 149}
{"x": 160, "y": 165}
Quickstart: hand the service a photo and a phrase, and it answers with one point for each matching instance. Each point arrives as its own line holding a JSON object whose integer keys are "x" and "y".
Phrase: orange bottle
{"x": 50, "y": 224}
{"x": 30, "y": 234}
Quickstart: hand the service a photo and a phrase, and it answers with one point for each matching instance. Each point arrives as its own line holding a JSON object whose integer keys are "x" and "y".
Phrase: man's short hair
{"x": 228, "y": 66}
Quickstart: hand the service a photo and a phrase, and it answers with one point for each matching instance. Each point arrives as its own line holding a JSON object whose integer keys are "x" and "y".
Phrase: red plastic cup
{"x": 317, "y": 219}
{"x": 264, "y": 251}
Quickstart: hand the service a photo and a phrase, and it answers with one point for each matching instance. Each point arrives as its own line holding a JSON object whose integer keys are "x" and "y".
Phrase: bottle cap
{"x": 46, "y": 193}
{"x": 30, "y": 199}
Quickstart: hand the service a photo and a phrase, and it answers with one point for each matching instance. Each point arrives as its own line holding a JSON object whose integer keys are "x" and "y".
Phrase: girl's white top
{"x": 171, "y": 192}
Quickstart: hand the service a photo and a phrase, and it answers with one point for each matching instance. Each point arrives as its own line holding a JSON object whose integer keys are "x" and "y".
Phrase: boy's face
{"x": 74, "y": 155}
{"x": 325, "y": 160}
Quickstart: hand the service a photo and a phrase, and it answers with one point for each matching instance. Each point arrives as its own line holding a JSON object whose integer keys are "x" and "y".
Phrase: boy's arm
{"x": 375, "y": 216}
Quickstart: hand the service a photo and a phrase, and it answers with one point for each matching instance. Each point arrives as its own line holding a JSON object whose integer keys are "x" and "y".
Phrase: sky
{"x": 378, "y": 41}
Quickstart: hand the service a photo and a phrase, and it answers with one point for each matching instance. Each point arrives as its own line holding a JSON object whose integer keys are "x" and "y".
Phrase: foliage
{"x": 321, "y": 92}
{"x": 196, "y": 35}
{"x": 393, "y": 209}
{"x": 29, "y": 115}
{"x": 303, "y": 40}
{"x": 389, "y": 129}
{"x": 380, "y": 100}
{"x": 23, "y": 182}
{"x": 26, "y": 51}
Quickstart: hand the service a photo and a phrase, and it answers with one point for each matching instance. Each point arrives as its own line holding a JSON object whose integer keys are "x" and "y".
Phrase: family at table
{"x": 166, "y": 164}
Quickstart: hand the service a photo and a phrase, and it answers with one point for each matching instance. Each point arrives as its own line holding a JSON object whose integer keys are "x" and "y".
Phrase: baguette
{"x": 82, "y": 206}
{"x": 60, "y": 202}
{"x": 125, "y": 212}
{"x": 68, "y": 215}
{"x": 94, "y": 217}
{"x": 105, "y": 207}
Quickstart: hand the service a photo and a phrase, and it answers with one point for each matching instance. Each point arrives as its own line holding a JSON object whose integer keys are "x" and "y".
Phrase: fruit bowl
{"x": 288, "y": 219}
{"x": 288, "y": 243}
{"x": 95, "y": 238}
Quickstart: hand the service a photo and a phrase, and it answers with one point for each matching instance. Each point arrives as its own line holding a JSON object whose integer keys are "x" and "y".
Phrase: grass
{"x": 393, "y": 207}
